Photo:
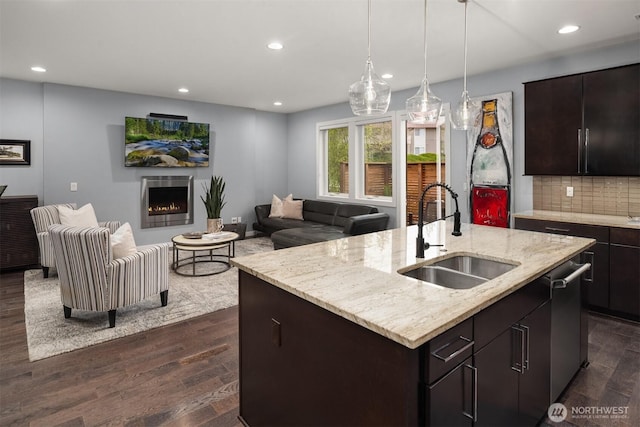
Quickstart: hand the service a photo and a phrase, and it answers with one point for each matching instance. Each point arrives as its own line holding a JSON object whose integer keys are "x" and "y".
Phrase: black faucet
{"x": 421, "y": 245}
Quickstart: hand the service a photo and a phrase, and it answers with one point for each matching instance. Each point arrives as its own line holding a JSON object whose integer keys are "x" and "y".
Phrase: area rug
{"x": 49, "y": 333}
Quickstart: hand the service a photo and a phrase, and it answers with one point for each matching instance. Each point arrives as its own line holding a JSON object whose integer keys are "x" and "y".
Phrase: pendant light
{"x": 370, "y": 95}
{"x": 424, "y": 106}
{"x": 465, "y": 112}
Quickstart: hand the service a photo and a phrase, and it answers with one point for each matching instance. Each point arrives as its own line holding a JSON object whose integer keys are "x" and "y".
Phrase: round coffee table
{"x": 224, "y": 239}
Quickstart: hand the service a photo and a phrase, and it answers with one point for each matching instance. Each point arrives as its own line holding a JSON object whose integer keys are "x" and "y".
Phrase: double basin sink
{"x": 460, "y": 271}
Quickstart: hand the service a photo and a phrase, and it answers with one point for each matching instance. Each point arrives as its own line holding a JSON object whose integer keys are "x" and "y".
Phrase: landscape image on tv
{"x": 166, "y": 143}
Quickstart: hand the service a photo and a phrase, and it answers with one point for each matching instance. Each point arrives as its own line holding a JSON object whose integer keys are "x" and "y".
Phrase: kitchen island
{"x": 333, "y": 333}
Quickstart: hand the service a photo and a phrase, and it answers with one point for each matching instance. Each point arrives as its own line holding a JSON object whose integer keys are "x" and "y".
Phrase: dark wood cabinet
{"x": 598, "y": 289}
{"x": 301, "y": 365}
{"x": 584, "y": 124}
{"x": 451, "y": 399}
{"x": 450, "y": 377}
{"x": 615, "y": 288}
{"x": 18, "y": 241}
{"x": 625, "y": 271}
{"x": 513, "y": 373}
{"x": 497, "y": 383}
{"x": 513, "y": 368}
{"x": 612, "y": 122}
{"x": 552, "y": 120}
{"x": 535, "y": 381}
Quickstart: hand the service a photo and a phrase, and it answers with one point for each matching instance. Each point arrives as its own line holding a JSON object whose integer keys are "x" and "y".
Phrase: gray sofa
{"x": 323, "y": 221}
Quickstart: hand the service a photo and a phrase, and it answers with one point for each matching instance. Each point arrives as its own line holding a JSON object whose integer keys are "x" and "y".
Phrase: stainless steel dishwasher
{"x": 569, "y": 323}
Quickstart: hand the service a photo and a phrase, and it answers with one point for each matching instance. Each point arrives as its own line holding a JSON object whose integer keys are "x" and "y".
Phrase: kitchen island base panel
{"x": 330, "y": 334}
{"x": 300, "y": 364}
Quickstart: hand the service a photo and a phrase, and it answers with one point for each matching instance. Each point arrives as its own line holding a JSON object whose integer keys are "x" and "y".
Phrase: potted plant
{"x": 214, "y": 202}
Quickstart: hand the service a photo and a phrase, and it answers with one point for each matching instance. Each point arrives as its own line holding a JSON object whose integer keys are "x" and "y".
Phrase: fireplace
{"x": 166, "y": 200}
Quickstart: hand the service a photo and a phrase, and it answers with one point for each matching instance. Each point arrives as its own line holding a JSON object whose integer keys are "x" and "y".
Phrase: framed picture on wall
{"x": 15, "y": 152}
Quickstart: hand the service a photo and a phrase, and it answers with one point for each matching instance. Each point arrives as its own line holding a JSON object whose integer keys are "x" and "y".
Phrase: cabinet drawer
{"x": 447, "y": 350}
{"x": 625, "y": 236}
{"x": 493, "y": 320}
{"x": 600, "y": 233}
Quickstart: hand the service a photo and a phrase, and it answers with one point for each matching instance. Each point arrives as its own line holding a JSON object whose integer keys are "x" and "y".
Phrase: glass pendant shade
{"x": 370, "y": 95}
{"x": 464, "y": 114}
{"x": 424, "y": 107}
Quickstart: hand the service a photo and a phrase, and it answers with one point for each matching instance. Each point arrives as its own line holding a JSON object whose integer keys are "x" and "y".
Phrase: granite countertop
{"x": 581, "y": 218}
{"x": 357, "y": 277}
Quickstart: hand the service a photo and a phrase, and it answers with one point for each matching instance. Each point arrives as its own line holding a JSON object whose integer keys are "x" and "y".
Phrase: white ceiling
{"x": 217, "y": 48}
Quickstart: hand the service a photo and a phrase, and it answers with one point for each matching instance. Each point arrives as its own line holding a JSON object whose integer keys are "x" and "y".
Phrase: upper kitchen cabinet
{"x": 584, "y": 124}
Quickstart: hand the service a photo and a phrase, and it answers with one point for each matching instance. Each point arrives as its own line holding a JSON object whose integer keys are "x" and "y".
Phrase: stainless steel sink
{"x": 460, "y": 272}
{"x": 445, "y": 277}
{"x": 481, "y": 267}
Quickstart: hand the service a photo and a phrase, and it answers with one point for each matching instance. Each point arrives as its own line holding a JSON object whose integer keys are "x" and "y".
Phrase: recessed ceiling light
{"x": 568, "y": 29}
{"x": 38, "y": 69}
{"x": 183, "y": 90}
{"x": 387, "y": 76}
{"x": 277, "y": 103}
{"x": 275, "y": 46}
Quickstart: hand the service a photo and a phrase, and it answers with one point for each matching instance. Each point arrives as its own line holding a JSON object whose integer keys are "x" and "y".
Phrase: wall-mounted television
{"x": 152, "y": 142}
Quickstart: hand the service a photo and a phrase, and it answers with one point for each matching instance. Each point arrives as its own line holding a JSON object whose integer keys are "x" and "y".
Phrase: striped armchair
{"x": 43, "y": 217}
{"x": 90, "y": 279}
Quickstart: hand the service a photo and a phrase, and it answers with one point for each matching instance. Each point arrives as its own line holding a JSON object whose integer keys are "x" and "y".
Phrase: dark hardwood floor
{"x": 187, "y": 374}
{"x": 180, "y": 375}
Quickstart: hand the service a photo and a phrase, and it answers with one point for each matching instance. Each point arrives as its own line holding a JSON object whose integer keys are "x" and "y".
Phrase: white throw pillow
{"x": 292, "y": 209}
{"x": 122, "y": 243}
{"x": 82, "y": 217}
{"x": 276, "y": 206}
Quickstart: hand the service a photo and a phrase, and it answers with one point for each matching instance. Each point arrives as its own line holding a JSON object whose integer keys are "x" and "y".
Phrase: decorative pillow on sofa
{"x": 122, "y": 243}
{"x": 276, "y": 206}
{"x": 81, "y": 217}
{"x": 292, "y": 209}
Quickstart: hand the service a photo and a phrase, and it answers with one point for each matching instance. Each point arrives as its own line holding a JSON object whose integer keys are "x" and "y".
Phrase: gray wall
{"x": 302, "y": 138}
{"x": 77, "y": 135}
{"x": 21, "y": 105}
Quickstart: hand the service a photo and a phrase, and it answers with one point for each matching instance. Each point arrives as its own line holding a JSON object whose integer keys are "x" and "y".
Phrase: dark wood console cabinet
{"x": 18, "y": 242}
{"x": 584, "y": 124}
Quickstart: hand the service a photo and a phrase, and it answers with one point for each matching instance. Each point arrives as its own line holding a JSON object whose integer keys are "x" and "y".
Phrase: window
{"x": 378, "y": 156}
{"x": 356, "y": 160}
{"x": 338, "y": 160}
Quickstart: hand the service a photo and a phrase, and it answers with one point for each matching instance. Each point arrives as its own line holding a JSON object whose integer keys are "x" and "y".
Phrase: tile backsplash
{"x": 606, "y": 195}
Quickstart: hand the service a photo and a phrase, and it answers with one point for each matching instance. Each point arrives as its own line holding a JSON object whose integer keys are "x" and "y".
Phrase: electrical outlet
{"x": 73, "y": 186}
{"x": 569, "y": 191}
{"x": 239, "y": 219}
{"x": 234, "y": 220}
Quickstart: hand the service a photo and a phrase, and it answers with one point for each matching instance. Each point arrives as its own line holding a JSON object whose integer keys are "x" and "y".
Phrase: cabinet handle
{"x": 519, "y": 366}
{"x": 562, "y": 283}
{"x": 526, "y": 354}
{"x": 589, "y": 256}
{"x": 561, "y": 230}
{"x": 579, "y": 147}
{"x": 474, "y": 397}
{"x": 276, "y": 337}
{"x": 456, "y": 353}
{"x": 586, "y": 151}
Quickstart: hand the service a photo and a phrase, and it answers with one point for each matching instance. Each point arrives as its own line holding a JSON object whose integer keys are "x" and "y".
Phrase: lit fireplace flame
{"x": 170, "y": 208}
